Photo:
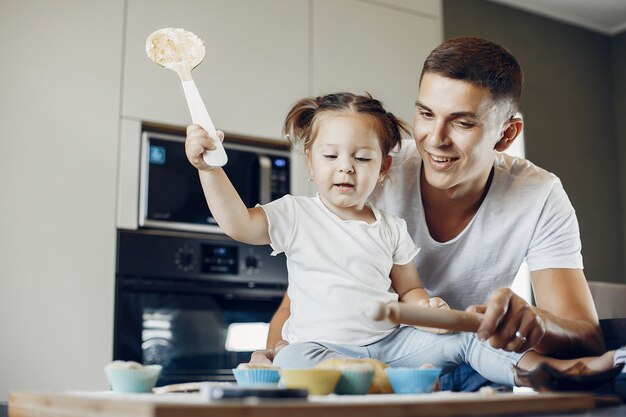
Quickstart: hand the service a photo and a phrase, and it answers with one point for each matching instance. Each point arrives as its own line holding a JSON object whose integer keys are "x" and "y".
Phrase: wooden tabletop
{"x": 107, "y": 404}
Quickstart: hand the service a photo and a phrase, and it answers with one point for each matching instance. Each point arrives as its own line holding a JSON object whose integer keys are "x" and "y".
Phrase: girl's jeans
{"x": 410, "y": 347}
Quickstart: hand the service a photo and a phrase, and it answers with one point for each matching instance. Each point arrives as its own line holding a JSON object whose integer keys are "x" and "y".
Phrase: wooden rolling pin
{"x": 403, "y": 313}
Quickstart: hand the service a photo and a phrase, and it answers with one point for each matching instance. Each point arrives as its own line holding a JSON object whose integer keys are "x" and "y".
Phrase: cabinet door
{"x": 427, "y": 8}
{"x": 380, "y": 48}
{"x": 256, "y": 64}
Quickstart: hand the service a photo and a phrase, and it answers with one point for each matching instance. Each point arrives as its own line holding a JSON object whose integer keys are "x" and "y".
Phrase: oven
{"x": 196, "y": 304}
{"x": 186, "y": 295}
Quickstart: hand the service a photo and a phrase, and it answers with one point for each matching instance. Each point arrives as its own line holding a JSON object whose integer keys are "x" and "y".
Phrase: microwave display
{"x": 171, "y": 194}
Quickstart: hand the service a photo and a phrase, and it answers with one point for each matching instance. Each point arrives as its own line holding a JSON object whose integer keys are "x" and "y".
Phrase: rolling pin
{"x": 403, "y": 313}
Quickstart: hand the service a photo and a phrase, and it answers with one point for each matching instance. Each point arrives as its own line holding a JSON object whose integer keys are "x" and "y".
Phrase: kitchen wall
{"x": 74, "y": 81}
{"x": 570, "y": 105}
{"x": 618, "y": 79}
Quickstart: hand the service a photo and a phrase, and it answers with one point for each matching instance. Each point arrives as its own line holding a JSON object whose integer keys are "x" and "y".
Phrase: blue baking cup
{"x": 412, "y": 380}
{"x": 354, "y": 382}
{"x": 256, "y": 377}
{"x": 133, "y": 379}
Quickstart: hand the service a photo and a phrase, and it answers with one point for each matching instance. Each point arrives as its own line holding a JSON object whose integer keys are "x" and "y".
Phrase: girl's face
{"x": 346, "y": 162}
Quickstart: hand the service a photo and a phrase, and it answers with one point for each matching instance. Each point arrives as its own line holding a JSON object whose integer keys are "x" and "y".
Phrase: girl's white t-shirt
{"x": 526, "y": 215}
{"x": 337, "y": 269}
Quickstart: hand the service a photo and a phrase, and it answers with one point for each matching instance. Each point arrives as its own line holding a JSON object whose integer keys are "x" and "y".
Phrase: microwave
{"x": 170, "y": 194}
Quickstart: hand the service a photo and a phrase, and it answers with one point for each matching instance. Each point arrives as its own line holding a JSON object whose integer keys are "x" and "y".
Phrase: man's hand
{"x": 510, "y": 323}
{"x": 267, "y": 355}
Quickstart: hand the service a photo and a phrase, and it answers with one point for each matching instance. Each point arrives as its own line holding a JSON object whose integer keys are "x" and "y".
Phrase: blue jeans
{"x": 465, "y": 378}
{"x": 410, "y": 347}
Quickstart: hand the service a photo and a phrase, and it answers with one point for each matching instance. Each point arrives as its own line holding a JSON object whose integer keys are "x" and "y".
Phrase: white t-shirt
{"x": 525, "y": 215}
{"x": 337, "y": 269}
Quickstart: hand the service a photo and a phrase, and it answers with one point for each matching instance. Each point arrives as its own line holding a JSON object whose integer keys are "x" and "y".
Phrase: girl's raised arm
{"x": 247, "y": 225}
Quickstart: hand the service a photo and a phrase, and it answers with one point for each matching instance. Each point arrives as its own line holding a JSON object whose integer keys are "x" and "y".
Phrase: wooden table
{"x": 108, "y": 404}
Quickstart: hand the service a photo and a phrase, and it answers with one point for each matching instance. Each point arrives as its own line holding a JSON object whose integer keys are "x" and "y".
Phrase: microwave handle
{"x": 265, "y": 179}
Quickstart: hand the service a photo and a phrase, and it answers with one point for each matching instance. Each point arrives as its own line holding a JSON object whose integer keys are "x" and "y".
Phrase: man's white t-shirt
{"x": 526, "y": 215}
{"x": 337, "y": 269}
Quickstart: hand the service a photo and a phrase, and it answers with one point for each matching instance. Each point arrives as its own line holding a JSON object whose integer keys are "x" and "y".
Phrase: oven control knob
{"x": 251, "y": 264}
{"x": 184, "y": 258}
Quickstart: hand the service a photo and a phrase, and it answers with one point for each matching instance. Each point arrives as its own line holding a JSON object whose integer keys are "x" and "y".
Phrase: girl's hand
{"x": 266, "y": 356}
{"x": 196, "y": 143}
{"x": 433, "y": 302}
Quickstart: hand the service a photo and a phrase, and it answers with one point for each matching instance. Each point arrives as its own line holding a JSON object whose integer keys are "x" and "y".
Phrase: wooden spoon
{"x": 181, "y": 51}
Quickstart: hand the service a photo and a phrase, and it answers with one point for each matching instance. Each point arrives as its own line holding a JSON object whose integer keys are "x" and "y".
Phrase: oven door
{"x": 197, "y": 330}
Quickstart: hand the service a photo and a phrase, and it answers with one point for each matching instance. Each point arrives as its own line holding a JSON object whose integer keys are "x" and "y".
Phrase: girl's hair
{"x": 302, "y": 121}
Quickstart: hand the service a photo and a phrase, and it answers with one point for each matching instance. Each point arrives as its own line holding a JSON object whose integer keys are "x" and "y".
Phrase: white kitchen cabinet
{"x": 378, "y": 47}
{"x": 256, "y": 64}
{"x": 264, "y": 55}
{"x": 60, "y": 106}
{"x": 427, "y": 8}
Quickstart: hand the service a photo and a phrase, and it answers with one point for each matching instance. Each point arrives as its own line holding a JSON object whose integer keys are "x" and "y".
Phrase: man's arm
{"x": 564, "y": 323}
{"x": 571, "y": 321}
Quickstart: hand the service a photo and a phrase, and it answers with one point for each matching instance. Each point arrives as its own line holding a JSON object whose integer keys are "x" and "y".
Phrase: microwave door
{"x": 243, "y": 171}
{"x": 171, "y": 195}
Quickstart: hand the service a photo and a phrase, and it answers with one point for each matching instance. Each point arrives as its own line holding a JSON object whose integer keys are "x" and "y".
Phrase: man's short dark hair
{"x": 481, "y": 63}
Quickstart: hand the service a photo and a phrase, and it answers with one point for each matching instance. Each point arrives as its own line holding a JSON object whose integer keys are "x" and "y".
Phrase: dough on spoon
{"x": 180, "y": 51}
{"x": 171, "y": 47}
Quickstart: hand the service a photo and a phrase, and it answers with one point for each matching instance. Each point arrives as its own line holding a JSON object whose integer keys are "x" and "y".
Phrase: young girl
{"x": 344, "y": 255}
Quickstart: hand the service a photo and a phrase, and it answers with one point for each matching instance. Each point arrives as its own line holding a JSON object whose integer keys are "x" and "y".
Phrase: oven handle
{"x": 240, "y": 290}
{"x": 265, "y": 179}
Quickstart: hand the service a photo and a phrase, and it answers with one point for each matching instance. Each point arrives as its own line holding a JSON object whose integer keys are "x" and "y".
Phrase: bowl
{"x": 256, "y": 377}
{"x": 316, "y": 381}
{"x": 412, "y": 380}
{"x": 354, "y": 381}
{"x": 135, "y": 379}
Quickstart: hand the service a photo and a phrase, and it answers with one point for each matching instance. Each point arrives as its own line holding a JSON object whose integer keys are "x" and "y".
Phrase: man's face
{"x": 456, "y": 128}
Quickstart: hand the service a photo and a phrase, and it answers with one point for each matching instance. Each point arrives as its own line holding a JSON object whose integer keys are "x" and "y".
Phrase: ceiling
{"x": 604, "y": 16}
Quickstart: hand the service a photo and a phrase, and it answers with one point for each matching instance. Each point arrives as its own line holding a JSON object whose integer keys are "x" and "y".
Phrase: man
{"x": 477, "y": 214}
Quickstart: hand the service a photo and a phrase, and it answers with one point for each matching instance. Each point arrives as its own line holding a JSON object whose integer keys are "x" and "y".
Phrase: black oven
{"x": 197, "y": 304}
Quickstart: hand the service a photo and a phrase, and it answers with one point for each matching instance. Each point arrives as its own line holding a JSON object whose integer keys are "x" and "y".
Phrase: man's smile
{"x": 441, "y": 161}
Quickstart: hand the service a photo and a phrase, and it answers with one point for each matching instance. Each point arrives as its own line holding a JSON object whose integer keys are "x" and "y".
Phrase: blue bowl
{"x": 413, "y": 380}
{"x": 256, "y": 377}
{"x": 133, "y": 379}
{"x": 354, "y": 382}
